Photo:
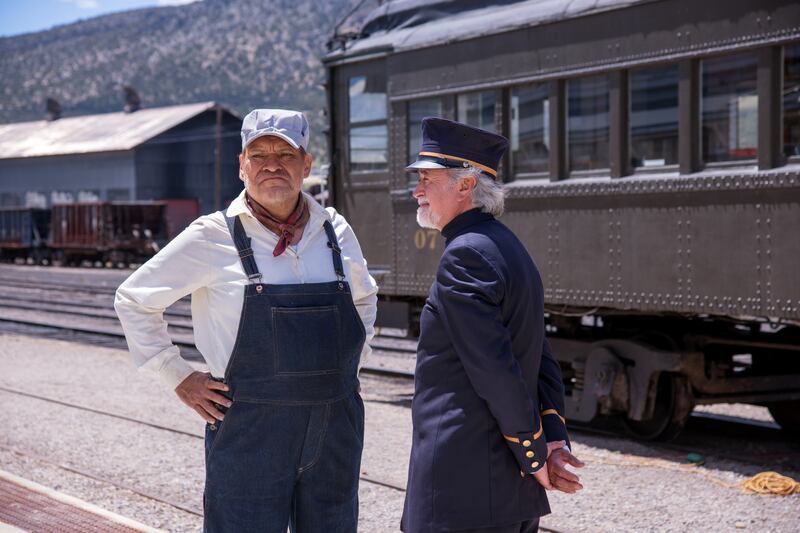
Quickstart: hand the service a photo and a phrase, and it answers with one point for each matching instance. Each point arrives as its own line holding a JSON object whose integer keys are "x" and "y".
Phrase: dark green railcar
{"x": 654, "y": 175}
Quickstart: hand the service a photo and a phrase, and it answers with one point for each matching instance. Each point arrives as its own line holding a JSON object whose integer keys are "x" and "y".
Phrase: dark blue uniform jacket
{"x": 489, "y": 393}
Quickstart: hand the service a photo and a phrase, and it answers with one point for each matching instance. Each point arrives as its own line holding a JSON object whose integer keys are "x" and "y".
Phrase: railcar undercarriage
{"x": 651, "y": 370}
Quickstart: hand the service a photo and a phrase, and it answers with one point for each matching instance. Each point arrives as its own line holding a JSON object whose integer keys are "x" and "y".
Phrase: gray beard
{"x": 427, "y": 220}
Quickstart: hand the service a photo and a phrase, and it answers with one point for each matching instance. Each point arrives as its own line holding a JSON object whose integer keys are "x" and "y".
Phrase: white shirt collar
{"x": 239, "y": 206}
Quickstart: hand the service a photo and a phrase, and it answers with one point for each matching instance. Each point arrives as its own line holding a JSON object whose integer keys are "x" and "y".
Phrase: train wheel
{"x": 58, "y": 258}
{"x": 672, "y": 409}
{"x": 786, "y": 414}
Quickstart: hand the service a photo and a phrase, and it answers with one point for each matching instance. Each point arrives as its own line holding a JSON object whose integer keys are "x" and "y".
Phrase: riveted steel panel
{"x": 780, "y": 257}
{"x": 418, "y": 250}
{"x": 584, "y": 255}
{"x": 711, "y": 243}
{"x": 720, "y": 250}
{"x": 647, "y": 267}
{"x": 369, "y": 213}
{"x": 538, "y": 231}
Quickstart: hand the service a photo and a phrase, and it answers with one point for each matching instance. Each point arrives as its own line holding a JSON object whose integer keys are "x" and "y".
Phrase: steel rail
{"x": 161, "y": 427}
{"x": 91, "y": 475}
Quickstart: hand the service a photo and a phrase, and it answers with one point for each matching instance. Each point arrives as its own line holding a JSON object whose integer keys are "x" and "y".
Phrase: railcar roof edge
{"x": 414, "y": 24}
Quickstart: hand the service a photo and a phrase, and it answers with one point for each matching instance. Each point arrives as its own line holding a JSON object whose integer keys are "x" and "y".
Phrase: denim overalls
{"x": 289, "y": 449}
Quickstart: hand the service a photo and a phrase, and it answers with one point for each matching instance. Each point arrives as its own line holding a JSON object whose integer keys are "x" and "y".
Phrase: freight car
{"x": 109, "y": 233}
{"x": 23, "y": 233}
{"x": 653, "y": 174}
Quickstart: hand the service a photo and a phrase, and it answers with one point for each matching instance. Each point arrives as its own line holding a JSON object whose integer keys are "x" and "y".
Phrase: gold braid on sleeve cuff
{"x": 554, "y": 412}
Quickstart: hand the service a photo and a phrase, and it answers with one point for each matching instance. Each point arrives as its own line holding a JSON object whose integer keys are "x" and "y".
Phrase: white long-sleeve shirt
{"x": 203, "y": 261}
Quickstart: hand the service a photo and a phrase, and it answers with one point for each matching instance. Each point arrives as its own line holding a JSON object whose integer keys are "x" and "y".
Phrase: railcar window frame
{"x": 790, "y": 159}
{"x": 411, "y": 150}
{"x": 537, "y": 175}
{"x": 497, "y": 104}
{"x": 377, "y": 172}
{"x": 604, "y": 171}
{"x": 653, "y": 169}
{"x": 731, "y": 163}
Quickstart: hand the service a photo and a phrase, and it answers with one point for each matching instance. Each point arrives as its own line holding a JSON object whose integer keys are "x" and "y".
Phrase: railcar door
{"x": 361, "y": 160}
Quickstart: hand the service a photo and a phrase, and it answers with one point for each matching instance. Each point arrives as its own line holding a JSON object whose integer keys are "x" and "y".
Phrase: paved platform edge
{"x": 76, "y": 502}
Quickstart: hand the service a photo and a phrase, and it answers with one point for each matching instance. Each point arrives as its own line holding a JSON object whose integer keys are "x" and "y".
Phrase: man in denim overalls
{"x": 282, "y": 306}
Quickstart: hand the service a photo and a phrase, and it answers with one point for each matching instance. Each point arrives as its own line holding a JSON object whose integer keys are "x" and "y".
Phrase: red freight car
{"x": 180, "y": 212}
{"x": 110, "y": 232}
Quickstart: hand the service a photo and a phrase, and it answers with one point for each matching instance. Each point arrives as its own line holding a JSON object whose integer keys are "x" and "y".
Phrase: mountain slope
{"x": 242, "y": 53}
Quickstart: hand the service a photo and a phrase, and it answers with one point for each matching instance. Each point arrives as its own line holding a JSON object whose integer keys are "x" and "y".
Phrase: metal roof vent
{"x": 53, "y": 109}
{"x": 132, "y": 100}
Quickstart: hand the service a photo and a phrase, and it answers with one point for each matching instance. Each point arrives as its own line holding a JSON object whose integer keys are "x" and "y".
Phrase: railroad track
{"x": 97, "y": 319}
{"x": 144, "y": 494}
{"x": 196, "y": 510}
{"x": 61, "y": 317}
{"x": 168, "y": 429}
{"x": 181, "y": 329}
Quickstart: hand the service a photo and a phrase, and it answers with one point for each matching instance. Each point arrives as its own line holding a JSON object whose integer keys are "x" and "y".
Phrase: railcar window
{"x": 367, "y": 98}
{"x": 477, "y": 109}
{"x": 791, "y": 101}
{"x": 417, "y": 110}
{"x": 587, "y": 123}
{"x": 368, "y": 147}
{"x": 369, "y": 135}
{"x": 530, "y": 132}
{"x": 654, "y": 116}
{"x": 730, "y": 108}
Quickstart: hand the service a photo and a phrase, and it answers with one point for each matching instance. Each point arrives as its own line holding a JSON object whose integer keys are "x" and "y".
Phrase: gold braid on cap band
{"x": 486, "y": 169}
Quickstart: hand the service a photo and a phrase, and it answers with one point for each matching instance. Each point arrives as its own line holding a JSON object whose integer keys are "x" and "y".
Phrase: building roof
{"x": 403, "y": 25}
{"x": 105, "y": 132}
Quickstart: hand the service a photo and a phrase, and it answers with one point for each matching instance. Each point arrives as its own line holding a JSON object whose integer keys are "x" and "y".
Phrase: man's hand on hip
{"x": 198, "y": 392}
{"x": 561, "y": 478}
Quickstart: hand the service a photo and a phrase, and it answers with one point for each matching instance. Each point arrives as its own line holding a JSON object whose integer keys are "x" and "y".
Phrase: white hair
{"x": 488, "y": 194}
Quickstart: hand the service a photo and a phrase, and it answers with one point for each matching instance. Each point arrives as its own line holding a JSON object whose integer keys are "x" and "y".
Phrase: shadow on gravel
{"x": 398, "y": 402}
{"x": 726, "y": 445}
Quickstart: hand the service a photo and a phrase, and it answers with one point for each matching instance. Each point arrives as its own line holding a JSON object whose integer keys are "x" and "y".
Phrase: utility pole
{"x": 217, "y": 161}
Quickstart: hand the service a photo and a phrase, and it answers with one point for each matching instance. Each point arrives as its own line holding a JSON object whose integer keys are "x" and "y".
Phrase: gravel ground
{"x": 630, "y": 486}
{"x": 152, "y": 460}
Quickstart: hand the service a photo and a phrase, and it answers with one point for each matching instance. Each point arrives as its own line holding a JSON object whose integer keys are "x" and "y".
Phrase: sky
{"x": 23, "y": 16}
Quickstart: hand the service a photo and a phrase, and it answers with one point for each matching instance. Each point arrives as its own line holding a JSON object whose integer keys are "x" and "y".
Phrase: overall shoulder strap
{"x": 242, "y": 242}
{"x": 336, "y": 252}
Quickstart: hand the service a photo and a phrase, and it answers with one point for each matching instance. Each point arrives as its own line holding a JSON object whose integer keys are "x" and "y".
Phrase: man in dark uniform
{"x": 489, "y": 434}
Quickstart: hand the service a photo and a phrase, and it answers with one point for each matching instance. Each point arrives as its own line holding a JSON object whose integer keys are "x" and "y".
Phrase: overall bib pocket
{"x": 306, "y": 340}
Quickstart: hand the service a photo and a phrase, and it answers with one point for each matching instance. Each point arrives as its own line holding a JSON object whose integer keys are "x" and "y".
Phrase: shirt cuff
{"x": 174, "y": 368}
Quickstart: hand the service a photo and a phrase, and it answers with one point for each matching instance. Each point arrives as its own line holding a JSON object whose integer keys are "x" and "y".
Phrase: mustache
{"x": 272, "y": 174}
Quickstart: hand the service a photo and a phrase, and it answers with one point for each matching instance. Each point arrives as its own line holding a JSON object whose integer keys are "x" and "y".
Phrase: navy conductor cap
{"x": 450, "y": 144}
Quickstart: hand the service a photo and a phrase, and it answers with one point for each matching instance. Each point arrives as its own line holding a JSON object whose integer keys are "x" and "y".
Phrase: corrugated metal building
{"x": 158, "y": 153}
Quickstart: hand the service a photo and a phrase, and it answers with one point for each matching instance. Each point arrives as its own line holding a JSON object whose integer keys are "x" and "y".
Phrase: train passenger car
{"x": 653, "y": 174}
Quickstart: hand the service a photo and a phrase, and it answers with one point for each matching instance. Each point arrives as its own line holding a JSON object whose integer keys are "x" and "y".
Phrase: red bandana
{"x": 289, "y": 231}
